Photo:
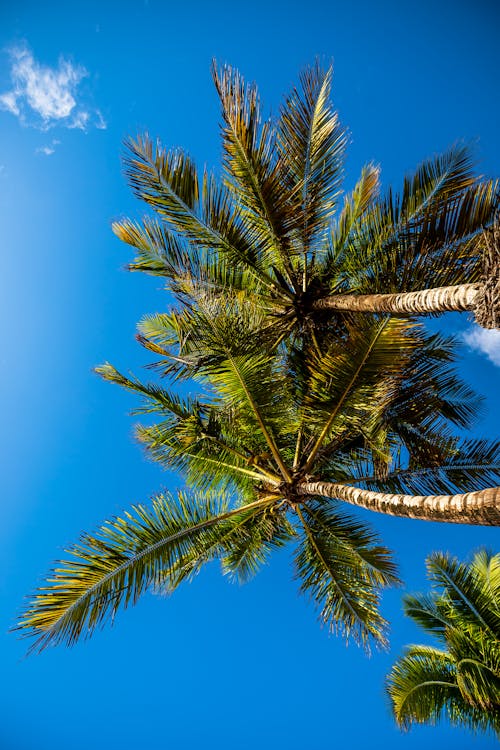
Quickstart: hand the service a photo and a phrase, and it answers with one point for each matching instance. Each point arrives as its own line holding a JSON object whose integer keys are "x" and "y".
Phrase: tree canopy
{"x": 297, "y": 408}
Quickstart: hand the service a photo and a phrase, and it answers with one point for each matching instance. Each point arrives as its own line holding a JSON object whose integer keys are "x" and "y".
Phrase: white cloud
{"x": 100, "y": 123}
{"x": 43, "y": 97}
{"x": 80, "y": 120}
{"x": 8, "y": 102}
{"x": 49, "y": 149}
{"x": 485, "y": 341}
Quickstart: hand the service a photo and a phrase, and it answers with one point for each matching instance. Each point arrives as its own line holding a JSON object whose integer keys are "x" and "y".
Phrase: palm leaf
{"x": 268, "y": 531}
{"x": 253, "y": 171}
{"x": 470, "y": 463}
{"x": 354, "y": 208}
{"x": 467, "y": 594}
{"x": 345, "y": 383}
{"x": 168, "y": 181}
{"x": 421, "y": 685}
{"x": 311, "y": 144}
{"x": 430, "y": 235}
{"x": 156, "y": 398}
{"x": 342, "y": 569}
{"x": 145, "y": 548}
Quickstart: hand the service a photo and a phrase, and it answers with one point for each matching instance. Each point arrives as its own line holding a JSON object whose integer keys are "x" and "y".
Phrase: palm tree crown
{"x": 268, "y": 428}
{"x": 297, "y": 408}
{"x": 276, "y": 225}
{"x": 460, "y": 680}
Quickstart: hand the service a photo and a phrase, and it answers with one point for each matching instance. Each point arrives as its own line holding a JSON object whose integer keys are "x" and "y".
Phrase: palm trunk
{"x": 482, "y": 297}
{"x": 481, "y": 508}
{"x": 441, "y": 299}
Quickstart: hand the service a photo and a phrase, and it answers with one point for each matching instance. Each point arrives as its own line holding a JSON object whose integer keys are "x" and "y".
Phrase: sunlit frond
{"x": 270, "y": 530}
{"x": 355, "y": 206}
{"x": 461, "y": 683}
{"x": 469, "y": 595}
{"x": 342, "y": 567}
{"x": 145, "y": 548}
{"x": 461, "y": 464}
{"x": 155, "y": 398}
{"x": 431, "y": 235}
{"x": 311, "y": 145}
{"x": 253, "y": 169}
{"x": 206, "y": 215}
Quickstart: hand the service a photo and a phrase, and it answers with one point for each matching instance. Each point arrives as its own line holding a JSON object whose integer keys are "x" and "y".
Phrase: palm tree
{"x": 277, "y": 437}
{"x": 298, "y": 409}
{"x": 275, "y": 226}
{"x": 460, "y": 680}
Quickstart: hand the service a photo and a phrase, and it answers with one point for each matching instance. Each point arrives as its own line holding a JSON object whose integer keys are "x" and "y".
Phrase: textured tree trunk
{"x": 441, "y": 299}
{"x": 487, "y": 306}
{"x": 481, "y": 508}
{"x": 483, "y": 297}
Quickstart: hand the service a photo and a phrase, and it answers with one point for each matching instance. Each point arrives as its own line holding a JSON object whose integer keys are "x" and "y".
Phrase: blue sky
{"x": 216, "y": 665}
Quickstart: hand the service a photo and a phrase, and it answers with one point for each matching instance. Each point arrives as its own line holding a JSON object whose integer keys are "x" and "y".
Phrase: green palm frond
{"x": 422, "y": 685}
{"x": 197, "y": 438}
{"x": 189, "y": 268}
{"x": 486, "y": 568}
{"x": 435, "y": 389}
{"x": 430, "y": 235}
{"x": 208, "y": 461}
{"x": 311, "y": 145}
{"x": 143, "y": 549}
{"x": 436, "y": 179}
{"x": 342, "y": 568}
{"x": 353, "y": 382}
{"x": 449, "y": 251}
{"x": 430, "y": 612}
{"x": 160, "y": 251}
{"x": 155, "y": 397}
{"x": 461, "y": 683}
{"x": 355, "y": 207}
{"x": 169, "y": 336}
{"x": 269, "y": 531}
{"x": 193, "y": 340}
{"x": 479, "y": 682}
{"x": 440, "y": 246}
{"x": 179, "y": 338}
{"x": 244, "y": 375}
{"x": 207, "y": 216}
{"x": 243, "y": 383}
{"x": 253, "y": 170}
{"x": 468, "y": 595}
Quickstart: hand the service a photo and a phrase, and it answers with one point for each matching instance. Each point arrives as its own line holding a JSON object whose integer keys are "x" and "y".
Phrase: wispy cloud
{"x": 43, "y": 97}
{"x": 485, "y": 341}
{"x": 49, "y": 149}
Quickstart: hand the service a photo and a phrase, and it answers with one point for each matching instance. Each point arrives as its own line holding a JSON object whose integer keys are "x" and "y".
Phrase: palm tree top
{"x": 460, "y": 678}
{"x": 277, "y": 225}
